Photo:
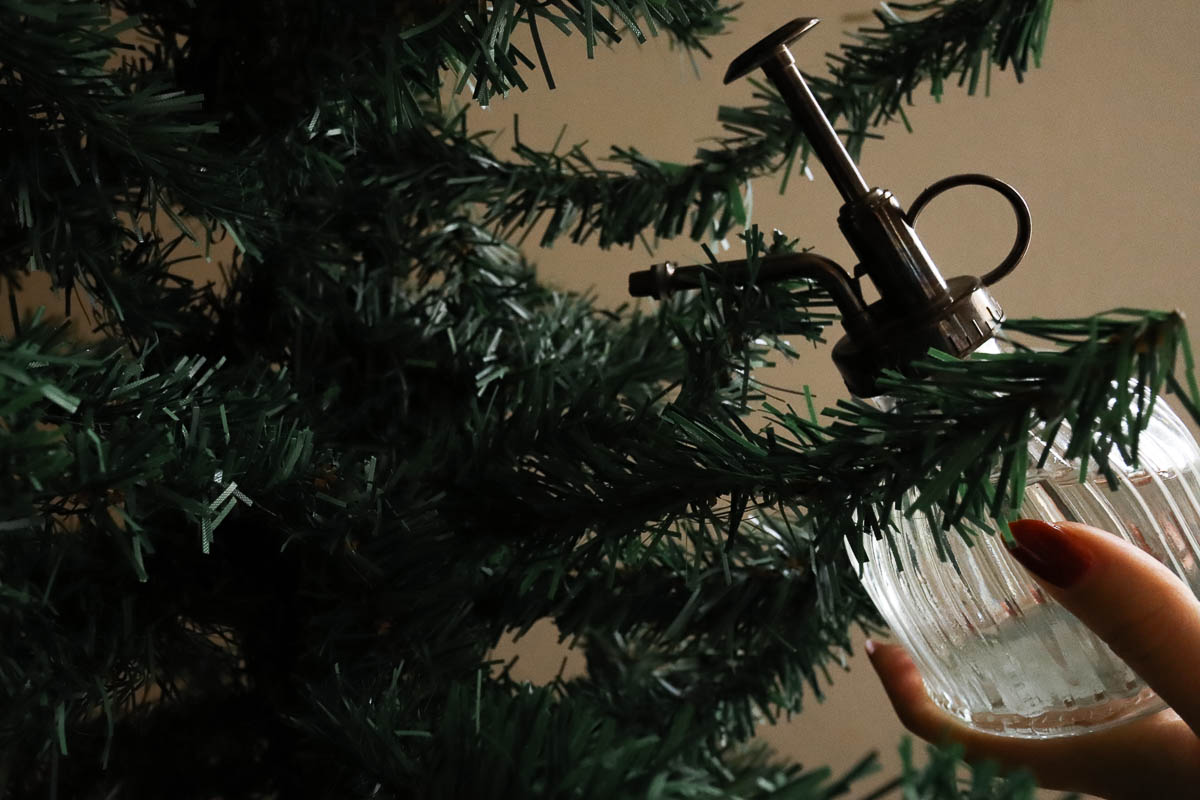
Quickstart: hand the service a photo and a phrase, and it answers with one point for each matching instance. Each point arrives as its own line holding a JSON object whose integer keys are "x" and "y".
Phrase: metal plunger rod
{"x": 811, "y": 119}
{"x": 772, "y": 54}
{"x": 872, "y": 220}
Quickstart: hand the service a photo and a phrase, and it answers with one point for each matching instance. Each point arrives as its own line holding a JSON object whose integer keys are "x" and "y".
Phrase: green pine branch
{"x": 441, "y": 170}
{"x": 873, "y": 77}
{"x": 950, "y": 439}
{"x": 111, "y": 477}
{"x": 870, "y": 83}
{"x": 500, "y": 739}
{"x": 559, "y": 741}
{"x": 100, "y": 146}
{"x": 385, "y": 443}
{"x": 556, "y": 517}
{"x": 476, "y": 42}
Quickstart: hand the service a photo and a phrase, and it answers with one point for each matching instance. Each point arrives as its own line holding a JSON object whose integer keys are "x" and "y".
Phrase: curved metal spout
{"x": 662, "y": 280}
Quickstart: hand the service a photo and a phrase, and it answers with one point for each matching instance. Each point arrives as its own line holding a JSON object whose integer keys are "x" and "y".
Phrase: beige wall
{"x": 1101, "y": 141}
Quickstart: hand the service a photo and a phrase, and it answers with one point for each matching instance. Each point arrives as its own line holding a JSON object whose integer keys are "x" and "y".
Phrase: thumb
{"x": 1142, "y": 610}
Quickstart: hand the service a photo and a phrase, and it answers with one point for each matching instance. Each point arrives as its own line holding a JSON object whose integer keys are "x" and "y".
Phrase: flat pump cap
{"x": 764, "y": 49}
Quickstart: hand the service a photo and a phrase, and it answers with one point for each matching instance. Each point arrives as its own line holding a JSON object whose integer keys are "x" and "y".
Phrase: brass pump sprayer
{"x": 918, "y": 308}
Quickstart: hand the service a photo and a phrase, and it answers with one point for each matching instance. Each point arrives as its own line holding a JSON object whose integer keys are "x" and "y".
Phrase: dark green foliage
{"x": 874, "y": 77}
{"x": 558, "y": 741}
{"x": 88, "y": 144}
{"x": 260, "y": 539}
{"x": 938, "y": 780}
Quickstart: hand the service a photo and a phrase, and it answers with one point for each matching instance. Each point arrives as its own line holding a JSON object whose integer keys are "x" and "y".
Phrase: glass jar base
{"x": 1064, "y": 721}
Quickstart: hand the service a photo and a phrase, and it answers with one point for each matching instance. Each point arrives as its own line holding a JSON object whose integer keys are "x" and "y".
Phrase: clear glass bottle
{"x": 993, "y": 648}
{"x": 996, "y": 651}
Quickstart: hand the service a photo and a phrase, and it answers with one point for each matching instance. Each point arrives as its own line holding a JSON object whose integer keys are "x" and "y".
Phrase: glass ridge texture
{"x": 993, "y": 648}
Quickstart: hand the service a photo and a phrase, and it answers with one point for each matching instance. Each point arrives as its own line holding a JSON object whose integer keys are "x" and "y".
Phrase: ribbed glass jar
{"x": 994, "y": 649}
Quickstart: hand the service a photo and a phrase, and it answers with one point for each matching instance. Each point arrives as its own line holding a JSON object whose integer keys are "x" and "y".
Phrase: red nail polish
{"x": 1049, "y": 552}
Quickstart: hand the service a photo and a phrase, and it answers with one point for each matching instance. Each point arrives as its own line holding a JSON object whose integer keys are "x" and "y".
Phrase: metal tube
{"x": 664, "y": 279}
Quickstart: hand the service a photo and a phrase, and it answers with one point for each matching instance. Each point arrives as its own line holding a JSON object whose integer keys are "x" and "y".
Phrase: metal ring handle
{"x": 1019, "y": 207}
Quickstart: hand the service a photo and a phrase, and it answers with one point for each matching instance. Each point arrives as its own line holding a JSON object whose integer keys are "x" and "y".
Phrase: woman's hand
{"x": 1147, "y": 616}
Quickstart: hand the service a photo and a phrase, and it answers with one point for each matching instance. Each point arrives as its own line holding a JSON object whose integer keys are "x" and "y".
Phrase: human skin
{"x": 1147, "y": 615}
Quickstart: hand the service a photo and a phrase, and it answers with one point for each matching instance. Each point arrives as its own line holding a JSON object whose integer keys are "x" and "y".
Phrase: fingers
{"x": 1146, "y": 614}
{"x": 906, "y": 691}
{"x": 1154, "y": 756}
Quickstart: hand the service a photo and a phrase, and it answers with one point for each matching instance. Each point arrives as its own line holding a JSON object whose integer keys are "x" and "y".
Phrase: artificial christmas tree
{"x": 261, "y": 537}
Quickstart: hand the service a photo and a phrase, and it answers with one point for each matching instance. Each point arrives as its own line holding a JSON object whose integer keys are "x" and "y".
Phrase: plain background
{"x": 1101, "y": 140}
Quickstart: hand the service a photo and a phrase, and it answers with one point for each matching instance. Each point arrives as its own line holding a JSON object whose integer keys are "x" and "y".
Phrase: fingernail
{"x": 869, "y": 646}
{"x": 1049, "y": 552}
